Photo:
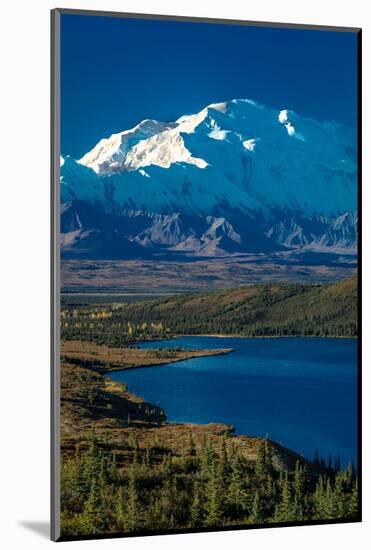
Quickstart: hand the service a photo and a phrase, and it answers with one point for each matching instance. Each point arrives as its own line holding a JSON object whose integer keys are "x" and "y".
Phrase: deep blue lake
{"x": 301, "y": 392}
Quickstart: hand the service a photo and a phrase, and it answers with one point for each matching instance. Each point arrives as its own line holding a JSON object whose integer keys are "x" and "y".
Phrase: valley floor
{"x": 203, "y": 275}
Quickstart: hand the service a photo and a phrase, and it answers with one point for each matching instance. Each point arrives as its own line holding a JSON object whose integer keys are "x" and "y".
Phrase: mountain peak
{"x": 236, "y": 154}
{"x": 163, "y": 144}
{"x": 152, "y": 142}
{"x": 109, "y": 153}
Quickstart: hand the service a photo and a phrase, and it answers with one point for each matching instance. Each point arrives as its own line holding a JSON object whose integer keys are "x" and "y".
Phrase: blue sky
{"x": 116, "y": 72}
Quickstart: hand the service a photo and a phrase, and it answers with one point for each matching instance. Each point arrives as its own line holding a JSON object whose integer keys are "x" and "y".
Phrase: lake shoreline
{"x": 295, "y": 373}
{"x": 243, "y": 337}
{"x": 267, "y": 337}
{"x": 193, "y": 354}
{"x": 107, "y": 361}
{"x": 103, "y": 359}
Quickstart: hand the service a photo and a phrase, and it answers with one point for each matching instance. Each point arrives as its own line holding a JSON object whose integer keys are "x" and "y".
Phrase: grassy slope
{"x": 276, "y": 309}
{"x": 103, "y": 358}
{"x": 90, "y": 399}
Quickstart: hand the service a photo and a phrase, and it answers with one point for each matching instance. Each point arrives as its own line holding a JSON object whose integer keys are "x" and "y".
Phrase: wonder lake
{"x": 300, "y": 392}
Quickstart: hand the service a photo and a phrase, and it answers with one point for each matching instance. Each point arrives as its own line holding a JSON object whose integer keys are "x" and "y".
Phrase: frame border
{"x": 55, "y": 125}
{"x": 55, "y": 277}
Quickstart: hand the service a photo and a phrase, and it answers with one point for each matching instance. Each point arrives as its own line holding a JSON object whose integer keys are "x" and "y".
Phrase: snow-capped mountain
{"x": 235, "y": 177}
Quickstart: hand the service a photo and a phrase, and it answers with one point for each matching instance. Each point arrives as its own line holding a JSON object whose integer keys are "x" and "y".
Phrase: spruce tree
{"x": 297, "y": 510}
{"x": 223, "y": 467}
{"x": 339, "y": 497}
{"x": 120, "y": 509}
{"x": 207, "y": 459}
{"x": 80, "y": 483}
{"x": 196, "y": 507}
{"x": 329, "y": 501}
{"x": 353, "y": 501}
{"x": 260, "y": 467}
{"x": 350, "y": 473}
{"x": 270, "y": 487}
{"x": 256, "y": 515}
{"x": 284, "y": 508}
{"x": 299, "y": 482}
{"x": 102, "y": 472}
{"x": 237, "y": 495}
{"x": 93, "y": 513}
{"x": 268, "y": 457}
{"x": 319, "y": 511}
{"x": 132, "y": 513}
{"x": 92, "y": 461}
{"x": 213, "y": 498}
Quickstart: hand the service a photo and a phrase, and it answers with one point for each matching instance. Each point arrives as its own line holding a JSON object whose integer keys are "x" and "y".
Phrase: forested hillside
{"x": 260, "y": 310}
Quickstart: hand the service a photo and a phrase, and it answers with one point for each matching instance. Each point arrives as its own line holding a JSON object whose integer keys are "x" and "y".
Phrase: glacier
{"x": 271, "y": 177}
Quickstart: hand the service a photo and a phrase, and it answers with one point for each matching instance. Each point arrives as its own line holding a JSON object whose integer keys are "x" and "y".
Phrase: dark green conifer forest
{"x": 282, "y": 309}
{"x": 159, "y": 491}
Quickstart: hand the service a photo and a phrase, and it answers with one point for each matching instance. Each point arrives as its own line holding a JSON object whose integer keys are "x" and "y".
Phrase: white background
{"x": 24, "y": 219}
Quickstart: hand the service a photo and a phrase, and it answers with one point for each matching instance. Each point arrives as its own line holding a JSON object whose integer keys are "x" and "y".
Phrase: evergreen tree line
{"x": 266, "y": 310}
{"x": 154, "y": 489}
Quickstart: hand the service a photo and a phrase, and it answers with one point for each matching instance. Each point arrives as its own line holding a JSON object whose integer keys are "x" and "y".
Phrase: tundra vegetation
{"x": 126, "y": 469}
